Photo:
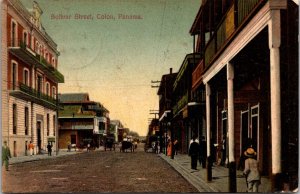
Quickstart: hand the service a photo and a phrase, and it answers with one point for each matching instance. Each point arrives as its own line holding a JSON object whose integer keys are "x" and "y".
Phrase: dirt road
{"x": 96, "y": 171}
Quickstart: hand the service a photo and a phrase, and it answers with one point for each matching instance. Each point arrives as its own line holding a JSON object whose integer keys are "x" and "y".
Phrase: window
{"x": 26, "y": 77}
{"x": 39, "y": 84}
{"x": 54, "y": 92}
{"x": 54, "y": 125}
{"x": 25, "y": 39}
{"x": 14, "y": 75}
{"x": 13, "y": 33}
{"x": 48, "y": 127}
{"x": 47, "y": 89}
{"x": 53, "y": 61}
{"x": 14, "y": 119}
{"x": 26, "y": 120}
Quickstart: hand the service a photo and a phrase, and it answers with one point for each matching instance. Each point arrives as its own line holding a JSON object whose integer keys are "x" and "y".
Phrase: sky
{"x": 114, "y": 60}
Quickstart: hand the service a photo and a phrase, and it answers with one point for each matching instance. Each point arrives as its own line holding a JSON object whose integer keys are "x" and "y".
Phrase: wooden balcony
{"x": 181, "y": 103}
{"x": 197, "y": 74}
{"x": 237, "y": 15}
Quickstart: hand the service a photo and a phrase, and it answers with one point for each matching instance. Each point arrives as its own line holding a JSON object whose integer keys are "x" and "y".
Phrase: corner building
{"x": 29, "y": 79}
{"x": 249, "y": 73}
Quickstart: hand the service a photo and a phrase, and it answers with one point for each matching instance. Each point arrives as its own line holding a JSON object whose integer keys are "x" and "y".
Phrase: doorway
{"x": 244, "y": 130}
{"x": 255, "y": 127}
{"x": 38, "y": 132}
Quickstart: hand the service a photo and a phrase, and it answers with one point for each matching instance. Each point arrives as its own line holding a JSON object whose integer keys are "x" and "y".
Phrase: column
{"x": 208, "y": 126}
{"x": 274, "y": 44}
{"x": 230, "y": 97}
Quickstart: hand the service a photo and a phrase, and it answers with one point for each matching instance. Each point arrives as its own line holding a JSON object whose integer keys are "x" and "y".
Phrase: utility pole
{"x": 155, "y": 82}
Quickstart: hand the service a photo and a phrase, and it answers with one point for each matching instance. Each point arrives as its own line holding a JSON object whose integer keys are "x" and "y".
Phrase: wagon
{"x": 109, "y": 143}
{"x": 126, "y": 145}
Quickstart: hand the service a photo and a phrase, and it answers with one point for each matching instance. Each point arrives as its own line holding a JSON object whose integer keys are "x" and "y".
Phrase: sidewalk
{"x": 62, "y": 152}
{"x": 220, "y": 176}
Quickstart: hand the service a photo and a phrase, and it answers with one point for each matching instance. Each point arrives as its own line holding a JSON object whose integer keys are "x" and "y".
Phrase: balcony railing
{"x": 196, "y": 75}
{"x": 181, "y": 103}
{"x": 228, "y": 25}
{"x": 34, "y": 93}
{"x": 244, "y": 8}
{"x": 25, "y": 53}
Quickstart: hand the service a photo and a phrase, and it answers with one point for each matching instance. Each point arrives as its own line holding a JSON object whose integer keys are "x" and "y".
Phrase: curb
{"x": 197, "y": 182}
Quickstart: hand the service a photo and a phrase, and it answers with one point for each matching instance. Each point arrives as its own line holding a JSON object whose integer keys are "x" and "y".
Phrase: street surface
{"x": 96, "y": 171}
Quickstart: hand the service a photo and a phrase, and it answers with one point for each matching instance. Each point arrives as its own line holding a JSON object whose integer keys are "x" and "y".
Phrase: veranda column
{"x": 274, "y": 44}
{"x": 230, "y": 97}
{"x": 208, "y": 125}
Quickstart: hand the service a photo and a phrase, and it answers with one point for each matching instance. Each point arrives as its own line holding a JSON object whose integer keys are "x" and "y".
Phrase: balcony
{"x": 181, "y": 103}
{"x": 237, "y": 15}
{"x": 24, "y": 53}
{"x": 197, "y": 74}
{"x": 27, "y": 93}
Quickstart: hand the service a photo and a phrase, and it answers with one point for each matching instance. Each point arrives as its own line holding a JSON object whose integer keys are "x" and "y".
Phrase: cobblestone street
{"x": 96, "y": 171}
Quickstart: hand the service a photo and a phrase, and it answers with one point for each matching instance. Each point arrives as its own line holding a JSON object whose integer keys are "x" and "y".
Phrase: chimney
{"x": 171, "y": 70}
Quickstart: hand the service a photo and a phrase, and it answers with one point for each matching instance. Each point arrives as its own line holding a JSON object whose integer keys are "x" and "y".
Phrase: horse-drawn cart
{"x": 127, "y": 145}
{"x": 109, "y": 143}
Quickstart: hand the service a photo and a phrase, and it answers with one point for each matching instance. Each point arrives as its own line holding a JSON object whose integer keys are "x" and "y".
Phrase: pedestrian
{"x": 169, "y": 148}
{"x": 49, "y": 148}
{"x": 31, "y": 147}
{"x": 202, "y": 152}
{"x": 251, "y": 170}
{"x": 5, "y": 155}
{"x": 88, "y": 147}
{"x": 176, "y": 146}
{"x": 194, "y": 152}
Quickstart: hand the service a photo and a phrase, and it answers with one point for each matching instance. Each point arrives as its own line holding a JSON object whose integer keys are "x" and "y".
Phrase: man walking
{"x": 193, "y": 152}
{"x": 49, "y": 148}
{"x": 5, "y": 155}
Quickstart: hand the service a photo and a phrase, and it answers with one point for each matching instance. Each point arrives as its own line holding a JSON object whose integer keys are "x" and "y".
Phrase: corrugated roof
{"x": 73, "y": 97}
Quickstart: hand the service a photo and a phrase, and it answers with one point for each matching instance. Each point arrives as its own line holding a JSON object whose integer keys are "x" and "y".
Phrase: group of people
{"x": 197, "y": 150}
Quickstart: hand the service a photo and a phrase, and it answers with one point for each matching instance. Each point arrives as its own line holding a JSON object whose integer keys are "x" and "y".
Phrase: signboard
{"x": 51, "y": 139}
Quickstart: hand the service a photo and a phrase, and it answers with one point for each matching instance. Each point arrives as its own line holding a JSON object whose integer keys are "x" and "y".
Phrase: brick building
{"x": 29, "y": 79}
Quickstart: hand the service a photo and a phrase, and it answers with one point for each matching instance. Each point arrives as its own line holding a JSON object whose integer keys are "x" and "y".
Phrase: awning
{"x": 164, "y": 115}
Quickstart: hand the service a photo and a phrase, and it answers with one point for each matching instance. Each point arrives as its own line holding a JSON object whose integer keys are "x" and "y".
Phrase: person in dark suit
{"x": 194, "y": 152}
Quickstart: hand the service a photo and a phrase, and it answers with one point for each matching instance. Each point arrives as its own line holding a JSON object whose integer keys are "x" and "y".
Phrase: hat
{"x": 250, "y": 152}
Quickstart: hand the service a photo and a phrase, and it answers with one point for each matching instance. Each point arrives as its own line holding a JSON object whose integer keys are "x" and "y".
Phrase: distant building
{"x": 117, "y": 129}
{"x": 30, "y": 78}
{"x": 81, "y": 121}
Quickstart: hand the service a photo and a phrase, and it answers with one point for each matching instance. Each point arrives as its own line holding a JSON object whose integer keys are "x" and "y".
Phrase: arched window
{"x": 14, "y": 33}
{"x": 37, "y": 47}
{"x": 14, "y": 74}
{"x": 25, "y": 38}
{"x": 54, "y": 92}
{"x": 26, "y": 76}
{"x": 47, "y": 89}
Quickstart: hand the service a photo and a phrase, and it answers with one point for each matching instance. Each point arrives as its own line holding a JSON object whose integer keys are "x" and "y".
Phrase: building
{"x": 116, "y": 129}
{"x": 248, "y": 72}
{"x": 29, "y": 79}
{"x": 165, "y": 107}
{"x": 81, "y": 121}
{"x": 183, "y": 124}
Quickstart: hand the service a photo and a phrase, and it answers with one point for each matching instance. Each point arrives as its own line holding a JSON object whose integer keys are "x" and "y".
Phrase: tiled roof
{"x": 73, "y": 97}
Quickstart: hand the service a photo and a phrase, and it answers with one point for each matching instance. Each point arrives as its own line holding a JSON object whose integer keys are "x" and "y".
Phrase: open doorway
{"x": 38, "y": 133}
